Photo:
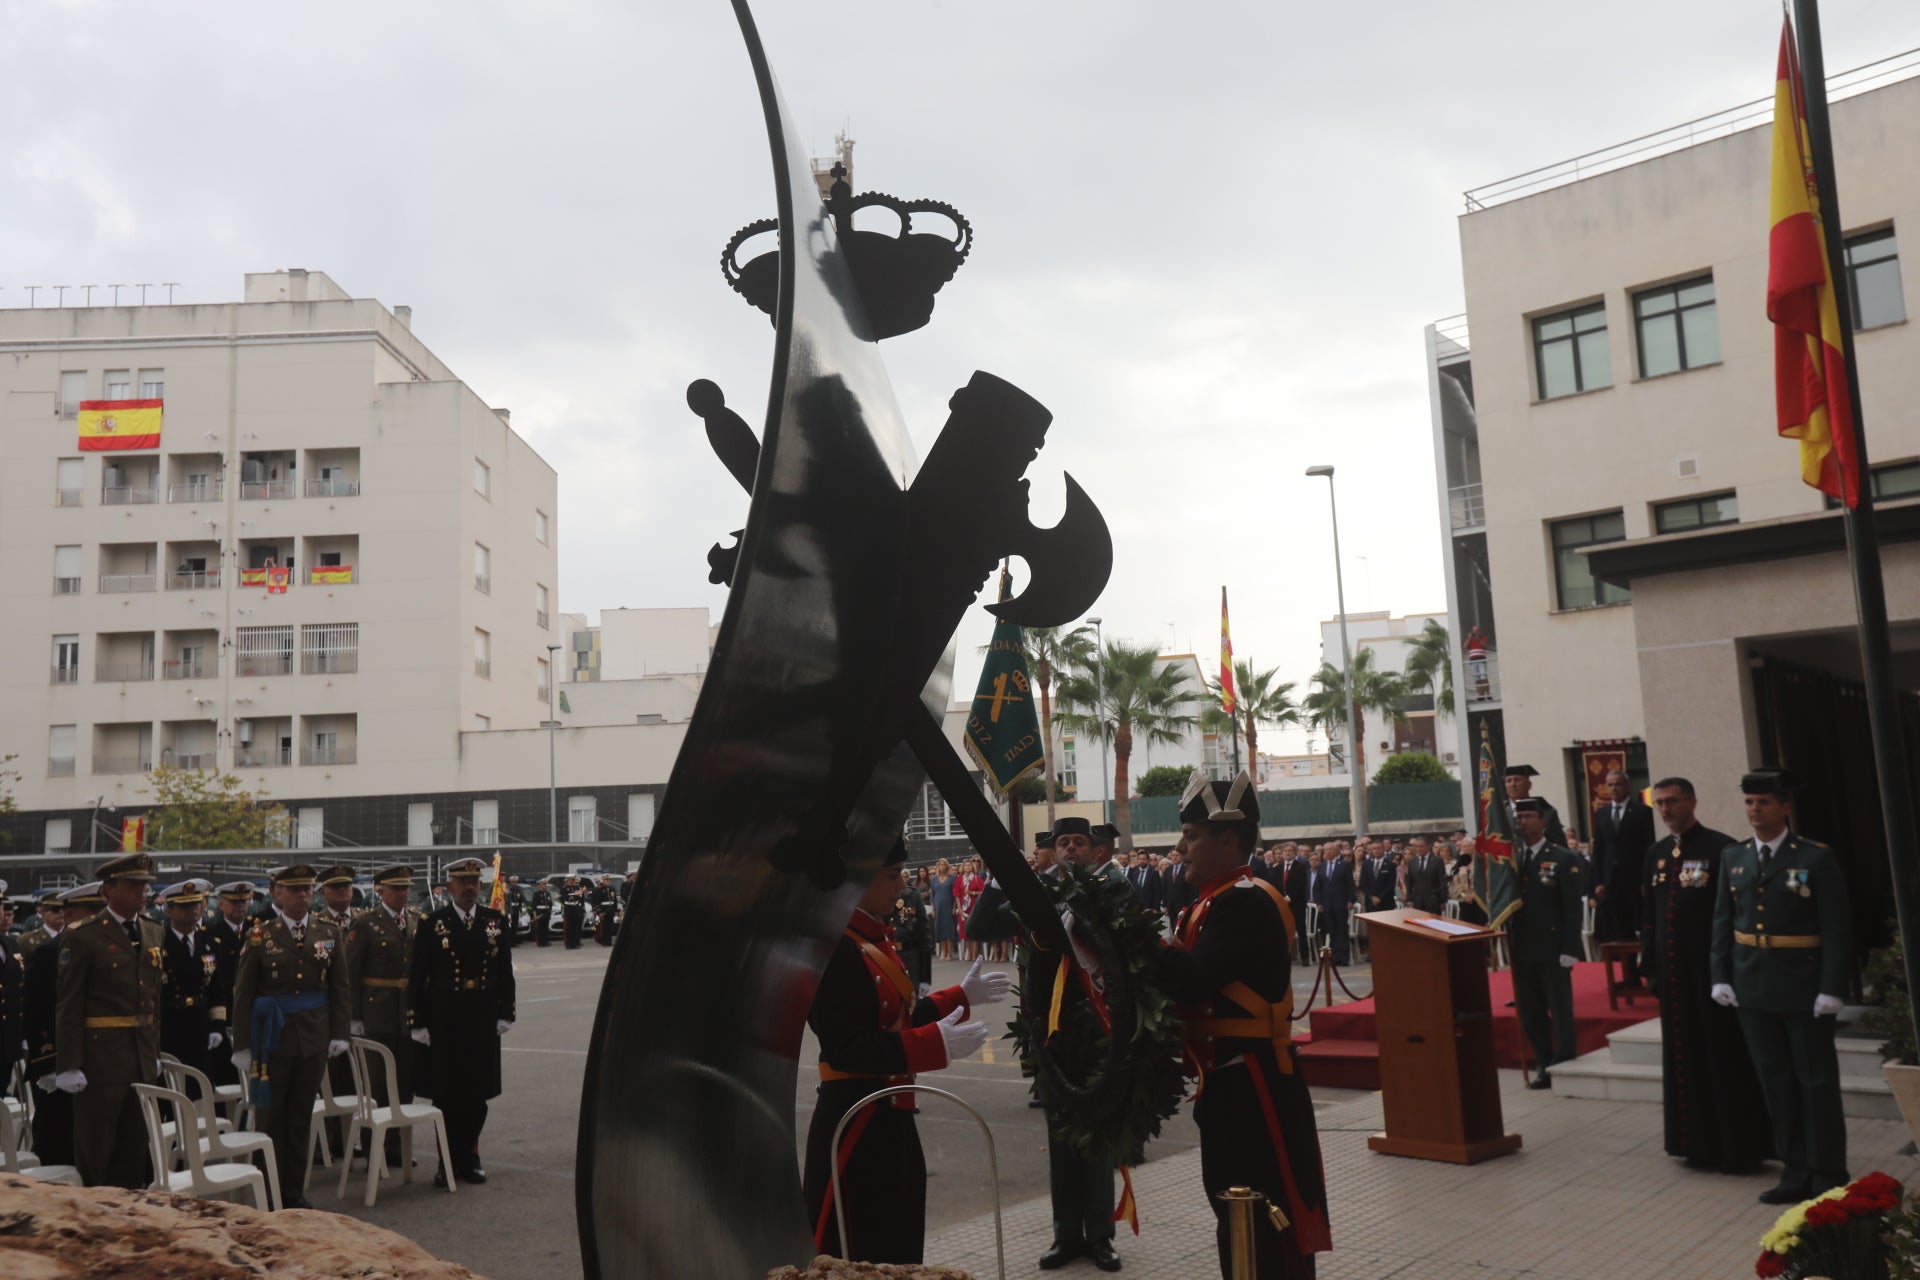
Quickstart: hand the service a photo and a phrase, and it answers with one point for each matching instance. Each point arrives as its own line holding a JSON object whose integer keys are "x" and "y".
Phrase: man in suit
{"x": 1786, "y": 970}
{"x": 1622, "y": 832}
{"x": 193, "y": 1004}
{"x": 1333, "y": 894}
{"x": 1179, "y": 891}
{"x": 1519, "y": 783}
{"x": 1296, "y": 875}
{"x": 379, "y": 953}
{"x": 1147, "y": 884}
{"x": 1544, "y": 938}
{"x": 1426, "y": 878}
{"x": 108, "y": 1025}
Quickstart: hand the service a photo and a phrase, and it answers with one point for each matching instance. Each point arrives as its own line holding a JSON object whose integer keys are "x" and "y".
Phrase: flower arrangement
{"x": 1833, "y": 1235}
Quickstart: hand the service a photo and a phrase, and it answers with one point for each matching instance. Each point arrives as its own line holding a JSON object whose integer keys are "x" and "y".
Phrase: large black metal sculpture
{"x": 819, "y": 717}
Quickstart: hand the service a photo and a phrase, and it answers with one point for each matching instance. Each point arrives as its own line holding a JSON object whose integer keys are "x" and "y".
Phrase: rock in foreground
{"x": 51, "y": 1232}
{"x": 826, "y": 1268}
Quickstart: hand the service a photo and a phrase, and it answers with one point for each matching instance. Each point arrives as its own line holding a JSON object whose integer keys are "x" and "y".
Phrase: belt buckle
{"x": 468, "y": 985}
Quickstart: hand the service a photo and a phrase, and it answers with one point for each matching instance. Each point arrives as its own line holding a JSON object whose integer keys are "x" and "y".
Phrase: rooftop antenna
{"x": 86, "y": 292}
{"x": 31, "y": 290}
{"x": 116, "y": 292}
{"x": 170, "y": 286}
{"x": 143, "y": 287}
{"x": 60, "y": 294}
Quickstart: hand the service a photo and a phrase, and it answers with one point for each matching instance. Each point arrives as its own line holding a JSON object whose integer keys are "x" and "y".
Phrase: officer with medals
{"x": 606, "y": 906}
{"x": 573, "y": 912}
{"x": 1519, "y": 784}
{"x": 379, "y": 952}
{"x": 40, "y": 999}
{"x": 1231, "y": 970}
{"x": 290, "y": 1014}
{"x": 48, "y": 922}
{"x": 334, "y": 894}
{"x": 1782, "y": 956}
{"x": 460, "y": 998}
{"x": 542, "y": 905}
{"x": 107, "y": 1023}
{"x": 516, "y": 907}
{"x": 1707, "y": 1080}
{"x": 193, "y": 1003}
{"x": 1543, "y": 937}
{"x": 873, "y": 1034}
{"x": 225, "y": 933}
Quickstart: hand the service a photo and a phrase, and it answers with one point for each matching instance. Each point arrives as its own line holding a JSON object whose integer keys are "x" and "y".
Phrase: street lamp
{"x": 553, "y": 769}
{"x": 1356, "y": 784}
{"x": 1100, "y": 709}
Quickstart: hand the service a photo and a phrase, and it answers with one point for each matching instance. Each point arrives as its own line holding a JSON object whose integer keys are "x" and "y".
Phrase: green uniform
{"x": 1782, "y": 936}
{"x": 378, "y": 950}
{"x": 107, "y": 1026}
{"x": 32, "y": 939}
{"x": 1552, "y": 887}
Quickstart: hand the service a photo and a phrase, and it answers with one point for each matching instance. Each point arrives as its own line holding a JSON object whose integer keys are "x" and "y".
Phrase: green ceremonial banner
{"x": 1003, "y": 731}
{"x": 1495, "y": 884}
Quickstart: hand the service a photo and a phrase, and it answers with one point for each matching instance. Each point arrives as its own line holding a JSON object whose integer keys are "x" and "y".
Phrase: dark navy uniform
{"x": 460, "y": 988}
{"x": 573, "y": 911}
{"x": 193, "y": 1003}
{"x": 542, "y": 905}
{"x": 1551, "y": 887}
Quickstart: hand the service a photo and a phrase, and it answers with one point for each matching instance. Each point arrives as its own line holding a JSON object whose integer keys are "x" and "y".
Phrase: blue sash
{"x": 269, "y": 1022}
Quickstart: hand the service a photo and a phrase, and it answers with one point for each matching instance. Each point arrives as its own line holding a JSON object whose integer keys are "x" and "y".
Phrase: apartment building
{"x": 276, "y": 536}
{"x": 1419, "y": 723}
{"x": 1658, "y": 589}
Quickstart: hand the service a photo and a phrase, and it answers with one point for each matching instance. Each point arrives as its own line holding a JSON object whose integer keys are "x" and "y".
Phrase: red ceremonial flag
{"x": 1228, "y": 701}
{"x": 1809, "y": 372}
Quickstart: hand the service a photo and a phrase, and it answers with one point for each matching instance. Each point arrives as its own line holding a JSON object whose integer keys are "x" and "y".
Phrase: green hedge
{"x": 1321, "y": 806}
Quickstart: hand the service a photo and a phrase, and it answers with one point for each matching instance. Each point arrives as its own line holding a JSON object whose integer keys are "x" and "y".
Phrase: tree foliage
{"x": 1031, "y": 790}
{"x": 1164, "y": 780}
{"x": 1052, "y": 652}
{"x": 199, "y": 810}
{"x": 1411, "y": 766}
{"x": 1260, "y": 699}
{"x": 1129, "y": 698}
{"x": 1429, "y": 666}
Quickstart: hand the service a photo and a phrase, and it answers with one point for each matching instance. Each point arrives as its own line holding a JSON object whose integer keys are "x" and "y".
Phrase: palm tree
{"x": 1130, "y": 698}
{"x": 1431, "y": 655}
{"x": 1051, "y": 653}
{"x": 1259, "y": 700}
{"x": 1333, "y": 703}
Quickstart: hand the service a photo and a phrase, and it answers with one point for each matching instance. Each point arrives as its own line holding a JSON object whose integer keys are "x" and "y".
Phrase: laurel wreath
{"x": 1106, "y": 1092}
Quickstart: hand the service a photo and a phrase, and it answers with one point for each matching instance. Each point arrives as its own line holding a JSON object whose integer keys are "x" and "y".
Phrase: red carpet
{"x": 1341, "y": 1051}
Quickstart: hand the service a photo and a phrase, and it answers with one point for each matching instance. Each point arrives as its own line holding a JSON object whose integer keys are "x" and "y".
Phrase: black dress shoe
{"x": 1541, "y": 1081}
{"x": 1783, "y": 1194}
{"x": 1101, "y": 1251}
{"x": 475, "y": 1174}
{"x": 1035, "y": 1103}
{"x": 296, "y": 1202}
{"x": 440, "y": 1179}
{"x": 1060, "y": 1255}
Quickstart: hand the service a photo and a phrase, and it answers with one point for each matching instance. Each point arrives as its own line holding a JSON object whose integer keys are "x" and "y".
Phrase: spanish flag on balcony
{"x": 119, "y": 424}
{"x": 331, "y": 573}
{"x": 1809, "y": 372}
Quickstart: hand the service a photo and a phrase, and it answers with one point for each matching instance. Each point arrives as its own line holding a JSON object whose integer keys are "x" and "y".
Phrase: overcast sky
{"x": 1208, "y": 234}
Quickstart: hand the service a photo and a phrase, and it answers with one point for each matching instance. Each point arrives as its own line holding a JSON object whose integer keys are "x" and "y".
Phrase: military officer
{"x": 516, "y": 907}
{"x": 290, "y": 1014}
{"x": 379, "y": 949}
{"x": 334, "y": 891}
{"x": 605, "y": 906}
{"x": 460, "y": 996}
{"x": 225, "y": 933}
{"x": 13, "y": 978}
{"x": 107, "y": 1023}
{"x": 1782, "y": 951}
{"x": 53, "y": 1114}
{"x": 542, "y": 907}
{"x": 47, "y": 923}
{"x": 193, "y": 1003}
{"x": 573, "y": 911}
{"x": 1519, "y": 784}
{"x": 1544, "y": 937}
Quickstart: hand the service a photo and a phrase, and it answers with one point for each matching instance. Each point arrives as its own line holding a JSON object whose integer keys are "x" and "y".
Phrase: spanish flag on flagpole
{"x": 1228, "y": 700}
{"x": 498, "y": 900}
{"x": 119, "y": 424}
{"x": 1809, "y": 372}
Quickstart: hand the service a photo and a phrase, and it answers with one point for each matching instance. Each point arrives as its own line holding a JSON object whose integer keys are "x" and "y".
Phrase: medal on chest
{"x": 1799, "y": 882}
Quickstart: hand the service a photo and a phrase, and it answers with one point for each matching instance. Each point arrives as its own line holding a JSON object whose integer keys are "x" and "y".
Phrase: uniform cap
{"x": 84, "y": 895}
{"x": 297, "y": 876}
{"x": 1530, "y": 804}
{"x": 186, "y": 893}
{"x": 1769, "y": 782}
{"x": 339, "y": 873}
{"x": 397, "y": 876}
{"x": 237, "y": 891}
{"x": 48, "y": 897}
{"x": 1043, "y": 839}
{"x": 1522, "y": 771}
{"x": 1104, "y": 834}
{"x": 1208, "y": 801}
{"x": 464, "y": 868}
{"x": 128, "y": 866}
{"x": 1071, "y": 826}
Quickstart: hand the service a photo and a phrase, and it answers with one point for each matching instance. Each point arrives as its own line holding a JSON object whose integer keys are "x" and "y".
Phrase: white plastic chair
{"x": 219, "y": 1144}
{"x": 167, "y": 1128}
{"x": 1452, "y": 910}
{"x": 198, "y": 1178}
{"x": 325, "y": 1107}
{"x": 14, "y": 1159}
{"x": 376, "y": 1120}
{"x": 1587, "y": 943}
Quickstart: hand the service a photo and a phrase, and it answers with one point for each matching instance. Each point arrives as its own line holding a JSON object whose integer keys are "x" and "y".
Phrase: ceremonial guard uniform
{"x": 1782, "y": 955}
{"x": 460, "y": 995}
{"x": 605, "y": 908}
{"x": 379, "y": 952}
{"x": 1712, "y": 1097}
{"x": 542, "y": 910}
{"x": 226, "y": 939}
{"x": 193, "y": 1003}
{"x": 874, "y": 1033}
{"x": 290, "y": 1013}
{"x": 1231, "y": 970}
{"x": 1543, "y": 937}
{"x": 108, "y": 1026}
{"x": 573, "y": 911}
{"x": 40, "y": 999}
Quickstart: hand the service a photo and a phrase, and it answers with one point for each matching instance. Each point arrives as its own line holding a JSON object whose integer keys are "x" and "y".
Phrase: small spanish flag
{"x": 1229, "y": 703}
{"x": 119, "y": 424}
{"x": 331, "y": 573}
{"x": 498, "y": 900}
{"x": 133, "y": 834}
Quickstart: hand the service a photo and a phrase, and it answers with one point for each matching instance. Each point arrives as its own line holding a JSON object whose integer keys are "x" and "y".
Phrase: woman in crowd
{"x": 945, "y": 921}
{"x": 972, "y": 884}
{"x": 1460, "y": 882}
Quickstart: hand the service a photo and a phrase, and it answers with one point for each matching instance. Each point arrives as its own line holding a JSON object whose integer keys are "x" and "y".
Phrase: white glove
{"x": 502, "y": 1026}
{"x": 336, "y": 1047}
{"x": 985, "y": 988}
{"x": 1825, "y": 1006}
{"x": 1080, "y": 953}
{"x": 357, "y": 1027}
{"x": 213, "y": 1040}
{"x": 75, "y": 1081}
{"x": 422, "y": 1036}
{"x": 1567, "y": 962}
{"x": 243, "y": 1060}
{"x": 46, "y": 1082}
{"x": 1723, "y": 995}
{"x": 963, "y": 1039}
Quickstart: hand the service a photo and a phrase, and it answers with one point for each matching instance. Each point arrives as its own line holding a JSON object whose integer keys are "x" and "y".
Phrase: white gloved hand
{"x": 46, "y": 1083}
{"x": 213, "y": 1040}
{"x": 963, "y": 1039}
{"x": 242, "y": 1060}
{"x": 1080, "y": 953}
{"x": 503, "y": 1026}
{"x": 985, "y": 988}
{"x": 422, "y": 1036}
{"x": 1567, "y": 962}
{"x": 1826, "y": 1006}
{"x": 70, "y": 1081}
{"x": 357, "y": 1027}
{"x": 1723, "y": 995}
{"x": 336, "y": 1047}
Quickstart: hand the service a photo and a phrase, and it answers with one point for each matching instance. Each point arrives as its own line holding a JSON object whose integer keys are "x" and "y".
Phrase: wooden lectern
{"x": 1434, "y": 1024}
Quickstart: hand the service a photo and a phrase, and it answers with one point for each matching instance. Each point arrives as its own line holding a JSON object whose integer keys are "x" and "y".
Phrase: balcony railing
{"x": 123, "y": 764}
{"x": 187, "y": 759}
{"x": 483, "y": 584}
{"x": 66, "y": 675}
{"x": 263, "y": 664}
{"x": 66, "y": 497}
{"x": 193, "y": 580}
{"x": 66, "y": 586}
{"x": 1483, "y": 680}
{"x": 137, "y": 669}
{"x": 483, "y": 668}
{"x": 263, "y": 757}
{"x": 120, "y": 582}
{"x": 317, "y": 753}
{"x": 196, "y": 491}
{"x": 1466, "y": 508}
{"x": 189, "y": 668}
{"x": 335, "y": 488}
{"x": 60, "y": 768}
{"x": 329, "y": 662}
{"x": 540, "y": 616}
{"x": 258, "y": 490}
{"x": 122, "y": 495}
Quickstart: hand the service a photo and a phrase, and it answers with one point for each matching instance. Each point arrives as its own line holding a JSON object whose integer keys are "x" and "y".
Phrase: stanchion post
{"x": 1240, "y": 1203}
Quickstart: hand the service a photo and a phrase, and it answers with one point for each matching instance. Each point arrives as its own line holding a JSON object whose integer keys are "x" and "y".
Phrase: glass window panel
{"x": 1872, "y": 248}
{"x": 1591, "y": 319}
{"x": 1701, "y": 325}
{"x": 1576, "y": 580}
{"x": 1652, "y": 304}
{"x": 1900, "y": 481}
{"x": 1596, "y": 364}
{"x": 1609, "y": 528}
{"x": 1659, "y": 346}
{"x": 1724, "y": 509}
{"x": 1698, "y": 292}
{"x": 1556, "y": 327}
{"x": 1556, "y": 370}
{"x": 1877, "y": 298}
{"x": 1677, "y": 517}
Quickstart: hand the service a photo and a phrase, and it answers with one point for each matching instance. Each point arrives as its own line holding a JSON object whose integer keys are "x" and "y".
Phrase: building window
{"x": 59, "y": 835}
{"x": 482, "y": 569}
{"x": 60, "y": 747}
{"x": 1696, "y": 513}
{"x": 1891, "y": 482}
{"x": 73, "y": 389}
{"x": 540, "y": 526}
{"x": 69, "y": 476}
{"x": 66, "y": 570}
{"x": 263, "y": 651}
{"x": 1873, "y": 280}
{"x": 119, "y": 385}
{"x": 66, "y": 659}
{"x": 482, "y": 654}
{"x": 1677, "y": 327}
{"x": 329, "y": 648}
{"x": 1570, "y": 351}
{"x": 582, "y": 826}
{"x": 540, "y": 614}
{"x": 486, "y": 821}
{"x": 482, "y": 479}
{"x": 1574, "y": 582}
{"x": 153, "y": 384}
